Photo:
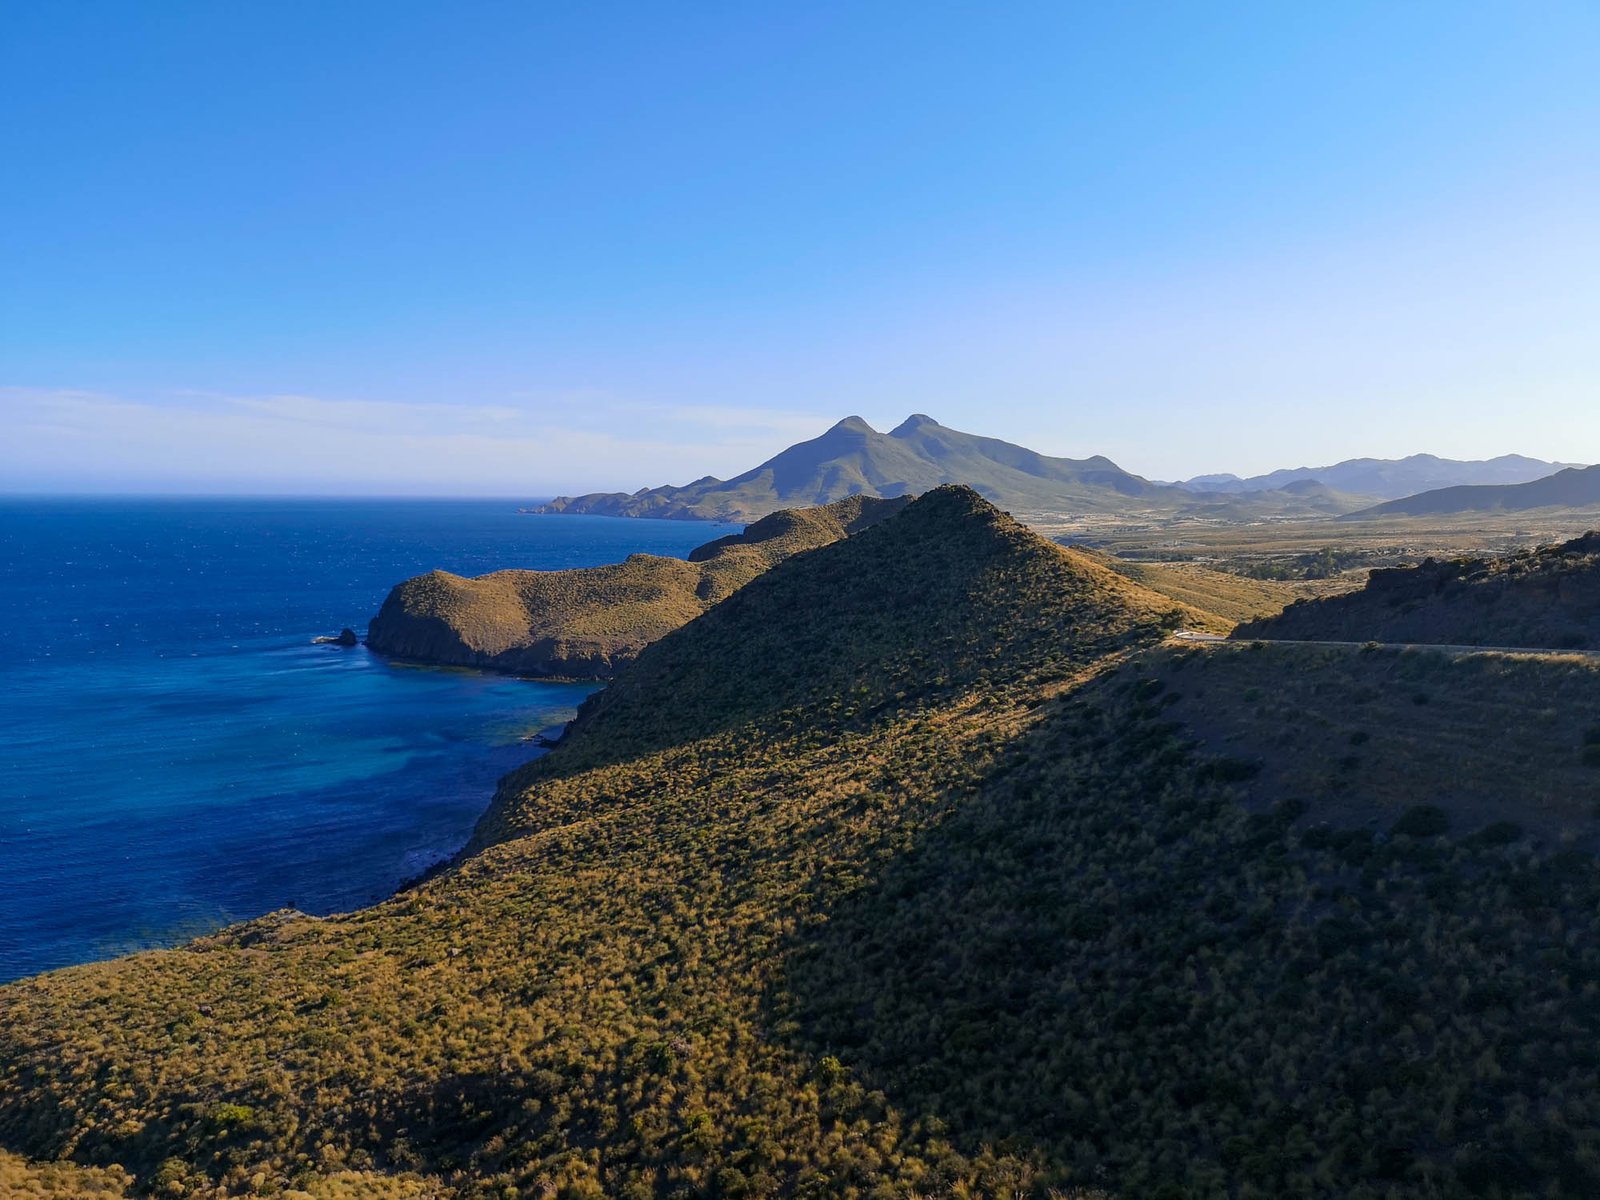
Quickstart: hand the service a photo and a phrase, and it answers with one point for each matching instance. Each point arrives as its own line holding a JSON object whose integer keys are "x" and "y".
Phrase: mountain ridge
{"x": 1385, "y": 478}
{"x": 1573, "y": 487}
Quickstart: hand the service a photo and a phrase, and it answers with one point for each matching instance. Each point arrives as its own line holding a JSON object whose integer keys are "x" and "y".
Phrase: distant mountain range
{"x": 1575, "y": 487}
{"x": 1386, "y": 478}
{"x": 852, "y": 458}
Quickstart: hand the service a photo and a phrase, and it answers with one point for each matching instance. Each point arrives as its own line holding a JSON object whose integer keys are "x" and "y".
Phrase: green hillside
{"x": 587, "y": 622}
{"x": 1546, "y": 598}
{"x": 910, "y": 869}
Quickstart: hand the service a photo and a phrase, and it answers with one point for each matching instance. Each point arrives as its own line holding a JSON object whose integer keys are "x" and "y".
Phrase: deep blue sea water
{"x": 175, "y": 753}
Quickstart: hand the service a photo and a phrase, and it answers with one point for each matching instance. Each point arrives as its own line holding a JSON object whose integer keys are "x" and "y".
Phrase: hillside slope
{"x": 893, "y": 874}
{"x": 1547, "y": 598}
{"x": 588, "y": 622}
{"x": 1221, "y": 599}
{"x": 1576, "y": 487}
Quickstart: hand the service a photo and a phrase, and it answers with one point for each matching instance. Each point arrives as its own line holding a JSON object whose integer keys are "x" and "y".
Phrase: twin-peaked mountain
{"x": 852, "y": 458}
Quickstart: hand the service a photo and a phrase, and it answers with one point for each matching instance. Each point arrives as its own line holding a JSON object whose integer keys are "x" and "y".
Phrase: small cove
{"x": 176, "y": 753}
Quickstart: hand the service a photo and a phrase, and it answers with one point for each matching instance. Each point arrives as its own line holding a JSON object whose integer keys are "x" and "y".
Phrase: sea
{"x": 177, "y": 753}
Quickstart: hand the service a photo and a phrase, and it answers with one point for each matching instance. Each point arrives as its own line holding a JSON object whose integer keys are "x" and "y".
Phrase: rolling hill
{"x": 1575, "y": 487}
{"x": 921, "y": 865}
{"x": 586, "y": 623}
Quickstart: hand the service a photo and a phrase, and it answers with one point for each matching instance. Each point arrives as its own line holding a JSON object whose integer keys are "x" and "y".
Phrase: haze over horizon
{"x": 518, "y": 252}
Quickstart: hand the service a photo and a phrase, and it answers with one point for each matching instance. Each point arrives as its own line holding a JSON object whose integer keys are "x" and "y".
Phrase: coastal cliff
{"x": 587, "y": 623}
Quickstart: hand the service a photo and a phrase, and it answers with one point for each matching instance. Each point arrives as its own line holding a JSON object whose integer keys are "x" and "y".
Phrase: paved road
{"x": 1194, "y": 638}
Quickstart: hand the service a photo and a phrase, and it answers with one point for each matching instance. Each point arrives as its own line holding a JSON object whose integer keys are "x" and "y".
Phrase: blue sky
{"x": 520, "y": 249}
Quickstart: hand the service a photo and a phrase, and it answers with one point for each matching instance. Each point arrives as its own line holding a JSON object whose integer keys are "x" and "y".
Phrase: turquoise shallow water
{"x": 175, "y": 753}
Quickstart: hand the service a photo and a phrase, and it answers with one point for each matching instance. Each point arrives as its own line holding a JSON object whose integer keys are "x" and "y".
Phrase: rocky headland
{"x": 588, "y": 622}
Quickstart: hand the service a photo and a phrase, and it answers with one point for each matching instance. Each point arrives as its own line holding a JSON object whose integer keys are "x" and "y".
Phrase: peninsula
{"x": 587, "y": 622}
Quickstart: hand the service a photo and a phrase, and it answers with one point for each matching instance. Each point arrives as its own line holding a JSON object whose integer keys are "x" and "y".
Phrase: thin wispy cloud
{"x": 206, "y": 441}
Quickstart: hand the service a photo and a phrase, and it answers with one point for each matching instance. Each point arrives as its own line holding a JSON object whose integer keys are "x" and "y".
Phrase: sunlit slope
{"x": 909, "y": 869}
{"x": 18, "y": 1177}
{"x": 587, "y": 622}
{"x": 1220, "y": 600}
{"x": 952, "y": 595}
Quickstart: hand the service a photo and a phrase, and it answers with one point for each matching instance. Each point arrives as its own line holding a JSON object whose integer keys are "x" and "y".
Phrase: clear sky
{"x": 524, "y": 248}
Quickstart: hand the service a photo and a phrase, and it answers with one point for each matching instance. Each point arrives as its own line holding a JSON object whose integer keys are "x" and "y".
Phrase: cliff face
{"x": 1546, "y": 599}
{"x": 587, "y": 623}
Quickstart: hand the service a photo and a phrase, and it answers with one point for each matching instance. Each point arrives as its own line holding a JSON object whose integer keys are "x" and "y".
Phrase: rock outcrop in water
{"x": 588, "y": 622}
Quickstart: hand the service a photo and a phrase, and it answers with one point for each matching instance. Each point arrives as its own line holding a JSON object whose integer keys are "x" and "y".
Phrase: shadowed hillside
{"x": 1547, "y": 598}
{"x": 1363, "y": 734}
{"x": 907, "y": 870}
{"x": 587, "y": 622}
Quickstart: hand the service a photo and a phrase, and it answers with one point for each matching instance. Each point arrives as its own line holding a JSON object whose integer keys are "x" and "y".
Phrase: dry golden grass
{"x": 906, "y": 871}
{"x": 1225, "y": 599}
{"x": 21, "y": 1179}
{"x": 587, "y": 622}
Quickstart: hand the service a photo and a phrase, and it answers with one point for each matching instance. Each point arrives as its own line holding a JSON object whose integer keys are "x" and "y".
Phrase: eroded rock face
{"x": 588, "y": 623}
